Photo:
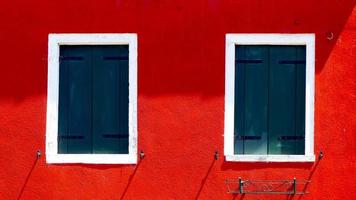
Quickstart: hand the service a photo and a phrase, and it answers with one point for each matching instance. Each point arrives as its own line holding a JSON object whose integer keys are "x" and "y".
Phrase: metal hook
{"x": 216, "y": 155}
{"x": 321, "y": 155}
{"x": 38, "y": 153}
{"x": 241, "y": 185}
{"x": 142, "y": 154}
{"x": 330, "y": 35}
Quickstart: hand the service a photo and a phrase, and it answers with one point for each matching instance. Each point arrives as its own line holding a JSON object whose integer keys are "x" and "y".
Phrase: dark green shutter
{"x": 110, "y": 99}
{"x": 282, "y": 100}
{"x": 93, "y": 99}
{"x": 287, "y": 100}
{"x": 74, "y": 130}
{"x": 239, "y": 128}
{"x": 252, "y": 81}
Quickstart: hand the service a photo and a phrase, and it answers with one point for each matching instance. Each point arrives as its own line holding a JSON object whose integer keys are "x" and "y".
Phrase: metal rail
{"x": 290, "y": 187}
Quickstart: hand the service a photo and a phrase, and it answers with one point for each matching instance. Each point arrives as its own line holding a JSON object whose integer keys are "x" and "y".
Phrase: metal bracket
{"x": 216, "y": 155}
{"x": 321, "y": 155}
{"x": 142, "y": 155}
{"x": 38, "y": 153}
{"x": 239, "y": 186}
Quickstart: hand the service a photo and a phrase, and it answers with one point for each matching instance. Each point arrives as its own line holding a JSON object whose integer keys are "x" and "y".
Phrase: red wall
{"x": 181, "y": 48}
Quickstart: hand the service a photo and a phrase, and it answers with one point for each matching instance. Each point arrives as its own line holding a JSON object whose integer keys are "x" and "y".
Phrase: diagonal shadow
{"x": 204, "y": 179}
{"x": 310, "y": 177}
{"x": 27, "y": 179}
{"x": 292, "y": 196}
{"x": 130, "y": 180}
{"x": 234, "y": 196}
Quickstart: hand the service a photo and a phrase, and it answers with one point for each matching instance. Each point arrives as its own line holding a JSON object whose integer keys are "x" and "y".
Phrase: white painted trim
{"x": 269, "y": 39}
{"x": 54, "y": 41}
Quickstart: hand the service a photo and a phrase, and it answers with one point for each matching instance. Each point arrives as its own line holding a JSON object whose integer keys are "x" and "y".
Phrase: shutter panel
{"x": 253, "y": 118}
{"x": 63, "y": 111}
{"x": 282, "y": 100}
{"x": 110, "y": 99}
{"x": 74, "y": 128}
{"x": 239, "y": 129}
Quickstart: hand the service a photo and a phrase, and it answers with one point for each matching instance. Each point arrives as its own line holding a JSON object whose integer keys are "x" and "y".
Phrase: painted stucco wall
{"x": 181, "y": 49}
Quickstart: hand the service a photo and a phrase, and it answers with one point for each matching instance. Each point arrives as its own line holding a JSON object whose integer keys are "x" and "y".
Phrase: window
{"x": 91, "y": 105}
{"x": 269, "y": 97}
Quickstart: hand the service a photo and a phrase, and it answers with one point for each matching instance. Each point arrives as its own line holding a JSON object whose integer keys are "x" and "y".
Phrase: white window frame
{"x": 268, "y": 39}
{"x": 54, "y": 42}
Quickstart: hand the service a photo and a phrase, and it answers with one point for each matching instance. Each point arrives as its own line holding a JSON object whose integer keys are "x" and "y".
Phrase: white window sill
{"x": 270, "y": 158}
{"x": 92, "y": 158}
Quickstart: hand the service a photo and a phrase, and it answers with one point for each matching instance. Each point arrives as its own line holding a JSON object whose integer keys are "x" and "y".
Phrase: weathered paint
{"x": 180, "y": 97}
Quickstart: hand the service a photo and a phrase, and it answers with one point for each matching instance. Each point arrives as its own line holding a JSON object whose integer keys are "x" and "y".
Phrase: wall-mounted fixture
{"x": 216, "y": 155}
{"x": 142, "y": 155}
{"x": 321, "y": 155}
{"x": 38, "y": 153}
{"x": 329, "y": 35}
{"x": 240, "y": 186}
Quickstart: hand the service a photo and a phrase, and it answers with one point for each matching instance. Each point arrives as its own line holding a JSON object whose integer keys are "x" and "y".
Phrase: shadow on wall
{"x": 312, "y": 171}
{"x": 38, "y": 155}
{"x": 130, "y": 180}
{"x": 181, "y": 55}
{"x": 203, "y": 181}
{"x": 130, "y": 167}
{"x": 199, "y": 57}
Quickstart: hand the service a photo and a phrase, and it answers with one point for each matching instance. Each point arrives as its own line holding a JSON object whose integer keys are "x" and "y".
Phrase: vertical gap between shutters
{"x": 119, "y": 107}
{"x": 244, "y": 107}
{"x": 268, "y": 85}
{"x": 91, "y": 97}
{"x": 295, "y": 99}
{"x": 67, "y": 105}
